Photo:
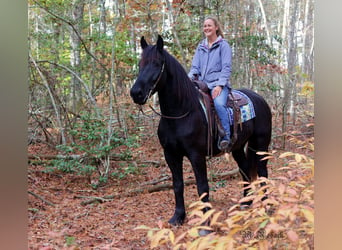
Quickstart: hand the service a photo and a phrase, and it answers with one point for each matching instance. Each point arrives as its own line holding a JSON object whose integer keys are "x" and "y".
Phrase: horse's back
{"x": 261, "y": 107}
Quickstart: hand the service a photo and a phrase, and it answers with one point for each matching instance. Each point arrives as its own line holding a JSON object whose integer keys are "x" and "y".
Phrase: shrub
{"x": 282, "y": 221}
{"x": 91, "y": 148}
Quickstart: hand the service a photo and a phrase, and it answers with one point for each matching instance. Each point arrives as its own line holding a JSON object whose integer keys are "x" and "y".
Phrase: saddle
{"x": 235, "y": 101}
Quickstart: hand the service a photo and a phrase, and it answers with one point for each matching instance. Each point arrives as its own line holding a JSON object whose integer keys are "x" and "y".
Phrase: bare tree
{"x": 289, "y": 91}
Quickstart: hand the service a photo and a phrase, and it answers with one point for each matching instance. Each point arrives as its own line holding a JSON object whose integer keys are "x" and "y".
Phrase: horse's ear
{"x": 143, "y": 42}
{"x": 160, "y": 43}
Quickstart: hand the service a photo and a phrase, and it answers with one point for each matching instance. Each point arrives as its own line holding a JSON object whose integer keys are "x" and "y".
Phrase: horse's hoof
{"x": 177, "y": 220}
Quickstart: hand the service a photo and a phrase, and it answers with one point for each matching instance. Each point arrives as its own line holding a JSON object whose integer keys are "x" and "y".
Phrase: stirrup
{"x": 224, "y": 144}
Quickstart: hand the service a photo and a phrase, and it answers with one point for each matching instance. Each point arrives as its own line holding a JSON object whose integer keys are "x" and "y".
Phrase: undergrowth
{"x": 285, "y": 220}
{"x": 91, "y": 150}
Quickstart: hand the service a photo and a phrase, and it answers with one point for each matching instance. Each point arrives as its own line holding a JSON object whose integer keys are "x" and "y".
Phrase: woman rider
{"x": 212, "y": 65}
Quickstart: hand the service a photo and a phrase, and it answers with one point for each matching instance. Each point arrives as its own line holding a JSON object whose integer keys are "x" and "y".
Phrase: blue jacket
{"x": 212, "y": 65}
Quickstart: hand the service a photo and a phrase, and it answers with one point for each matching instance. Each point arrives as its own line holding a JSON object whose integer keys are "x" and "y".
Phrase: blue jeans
{"x": 220, "y": 103}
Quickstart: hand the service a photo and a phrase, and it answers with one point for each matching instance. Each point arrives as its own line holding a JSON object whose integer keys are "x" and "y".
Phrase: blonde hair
{"x": 217, "y": 23}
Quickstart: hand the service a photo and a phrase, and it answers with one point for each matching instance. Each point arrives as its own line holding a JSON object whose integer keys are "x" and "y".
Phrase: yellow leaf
{"x": 203, "y": 195}
{"x": 172, "y": 237}
{"x": 262, "y": 153}
{"x": 204, "y": 228}
{"x": 207, "y": 205}
{"x": 194, "y": 221}
{"x": 207, "y": 215}
{"x": 243, "y": 182}
{"x": 221, "y": 244}
{"x": 215, "y": 218}
{"x": 308, "y": 215}
{"x": 195, "y": 204}
{"x": 286, "y": 154}
{"x": 158, "y": 238}
{"x": 203, "y": 244}
{"x": 193, "y": 232}
{"x": 298, "y": 158}
{"x": 293, "y": 236}
{"x": 233, "y": 207}
{"x": 247, "y": 198}
{"x": 194, "y": 213}
{"x": 143, "y": 227}
{"x": 193, "y": 245}
{"x": 234, "y": 230}
{"x": 180, "y": 237}
{"x": 267, "y": 157}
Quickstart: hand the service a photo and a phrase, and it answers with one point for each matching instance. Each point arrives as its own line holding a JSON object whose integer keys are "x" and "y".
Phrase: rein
{"x": 169, "y": 117}
{"x": 161, "y": 115}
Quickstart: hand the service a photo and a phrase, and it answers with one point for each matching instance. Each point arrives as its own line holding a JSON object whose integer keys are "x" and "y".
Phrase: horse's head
{"x": 151, "y": 69}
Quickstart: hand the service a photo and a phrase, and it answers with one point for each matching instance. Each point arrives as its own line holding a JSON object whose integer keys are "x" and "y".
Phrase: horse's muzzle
{"x": 137, "y": 95}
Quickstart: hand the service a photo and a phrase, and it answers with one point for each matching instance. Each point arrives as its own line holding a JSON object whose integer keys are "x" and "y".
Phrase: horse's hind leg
{"x": 244, "y": 168}
{"x": 255, "y": 145}
{"x": 175, "y": 163}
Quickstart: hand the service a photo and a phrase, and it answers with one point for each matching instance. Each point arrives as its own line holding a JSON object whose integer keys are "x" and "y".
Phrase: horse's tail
{"x": 261, "y": 136}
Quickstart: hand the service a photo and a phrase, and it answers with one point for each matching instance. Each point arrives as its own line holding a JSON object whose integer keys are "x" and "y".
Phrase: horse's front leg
{"x": 199, "y": 165}
{"x": 175, "y": 163}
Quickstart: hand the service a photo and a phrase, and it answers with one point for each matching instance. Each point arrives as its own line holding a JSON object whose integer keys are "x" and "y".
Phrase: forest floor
{"x": 58, "y": 220}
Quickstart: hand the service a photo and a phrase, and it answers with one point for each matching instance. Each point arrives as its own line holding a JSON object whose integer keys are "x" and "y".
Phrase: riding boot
{"x": 220, "y": 103}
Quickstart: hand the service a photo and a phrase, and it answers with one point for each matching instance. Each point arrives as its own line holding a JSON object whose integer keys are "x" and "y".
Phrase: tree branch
{"x": 92, "y": 99}
{"x": 41, "y": 198}
{"x": 77, "y": 34}
{"x": 157, "y": 188}
{"x": 46, "y": 84}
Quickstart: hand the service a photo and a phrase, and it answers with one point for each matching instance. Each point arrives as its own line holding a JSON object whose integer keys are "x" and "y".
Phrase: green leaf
{"x": 264, "y": 223}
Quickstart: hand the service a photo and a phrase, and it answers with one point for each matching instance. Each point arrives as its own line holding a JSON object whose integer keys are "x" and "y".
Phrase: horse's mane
{"x": 185, "y": 92}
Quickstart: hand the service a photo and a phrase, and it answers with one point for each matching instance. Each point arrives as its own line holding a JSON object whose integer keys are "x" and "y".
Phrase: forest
{"x": 97, "y": 176}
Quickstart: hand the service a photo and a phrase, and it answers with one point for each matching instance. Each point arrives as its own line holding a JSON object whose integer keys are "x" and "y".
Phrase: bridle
{"x": 152, "y": 90}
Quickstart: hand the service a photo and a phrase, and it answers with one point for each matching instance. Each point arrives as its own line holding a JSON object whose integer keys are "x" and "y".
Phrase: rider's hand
{"x": 216, "y": 91}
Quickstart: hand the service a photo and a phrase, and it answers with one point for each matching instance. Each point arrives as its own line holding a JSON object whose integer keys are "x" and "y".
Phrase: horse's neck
{"x": 169, "y": 103}
{"x": 167, "y": 100}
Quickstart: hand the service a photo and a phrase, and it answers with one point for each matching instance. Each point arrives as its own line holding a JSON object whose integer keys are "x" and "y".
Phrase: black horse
{"x": 183, "y": 128}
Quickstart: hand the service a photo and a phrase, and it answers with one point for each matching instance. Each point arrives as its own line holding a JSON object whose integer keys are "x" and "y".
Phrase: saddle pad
{"x": 247, "y": 111}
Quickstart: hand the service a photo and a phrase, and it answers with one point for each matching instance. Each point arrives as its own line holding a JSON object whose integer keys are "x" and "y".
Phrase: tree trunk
{"x": 175, "y": 33}
{"x": 263, "y": 14}
{"x": 46, "y": 84}
{"x": 75, "y": 56}
{"x": 290, "y": 93}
